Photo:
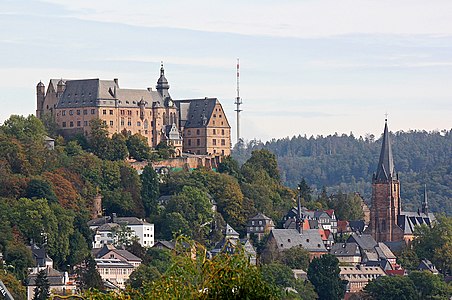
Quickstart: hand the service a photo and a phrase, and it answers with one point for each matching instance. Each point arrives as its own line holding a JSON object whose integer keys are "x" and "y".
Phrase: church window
{"x": 71, "y": 112}
{"x": 64, "y": 124}
{"x": 198, "y": 142}
{"x": 71, "y": 124}
{"x": 214, "y": 115}
{"x": 222, "y": 152}
{"x": 220, "y": 116}
{"x": 104, "y": 122}
{"x": 104, "y": 112}
{"x": 78, "y": 112}
{"x": 122, "y": 112}
{"x": 189, "y": 142}
{"x": 111, "y": 112}
{"x": 111, "y": 123}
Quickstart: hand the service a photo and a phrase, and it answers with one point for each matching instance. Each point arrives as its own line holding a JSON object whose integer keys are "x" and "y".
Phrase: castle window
{"x": 189, "y": 132}
{"x": 222, "y": 131}
{"x": 214, "y": 115}
{"x": 220, "y": 116}
{"x": 129, "y": 122}
{"x": 222, "y": 122}
{"x": 104, "y": 112}
{"x": 111, "y": 123}
{"x": 71, "y": 112}
{"x": 64, "y": 124}
{"x": 92, "y": 111}
{"x": 85, "y": 111}
{"x": 129, "y": 112}
{"x": 214, "y": 142}
{"x": 122, "y": 121}
{"x": 145, "y": 132}
{"x": 139, "y": 124}
{"x": 79, "y": 123}
{"x": 189, "y": 142}
{"x": 146, "y": 125}
{"x": 85, "y": 123}
{"x": 71, "y": 124}
{"x": 78, "y": 112}
{"x": 104, "y": 122}
{"x": 198, "y": 142}
{"x": 122, "y": 112}
{"x": 214, "y": 131}
{"x": 111, "y": 112}
{"x": 197, "y": 131}
{"x": 222, "y": 152}
{"x": 223, "y": 142}
{"x": 63, "y": 113}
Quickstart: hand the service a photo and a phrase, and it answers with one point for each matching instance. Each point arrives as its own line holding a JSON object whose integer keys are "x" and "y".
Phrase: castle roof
{"x": 385, "y": 168}
{"x": 195, "y": 113}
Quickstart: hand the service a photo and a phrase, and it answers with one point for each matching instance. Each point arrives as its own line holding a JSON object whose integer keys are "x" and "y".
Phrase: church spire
{"x": 425, "y": 202}
{"x": 385, "y": 169}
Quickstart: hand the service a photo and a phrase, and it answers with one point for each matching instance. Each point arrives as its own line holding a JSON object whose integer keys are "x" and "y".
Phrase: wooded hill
{"x": 346, "y": 163}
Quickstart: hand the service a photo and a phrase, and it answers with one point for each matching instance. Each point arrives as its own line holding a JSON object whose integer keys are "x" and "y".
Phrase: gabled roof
{"x": 365, "y": 241}
{"x": 130, "y": 221}
{"x": 385, "y": 168}
{"x": 230, "y": 232}
{"x": 123, "y": 253}
{"x": 345, "y": 249}
{"x": 309, "y": 239}
{"x": 384, "y": 252}
{"x": 195, "y": 113}
{"x": 407, "y": 220}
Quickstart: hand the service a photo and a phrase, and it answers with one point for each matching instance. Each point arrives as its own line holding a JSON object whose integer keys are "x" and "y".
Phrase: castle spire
{"x": 299, "y": 221}
{"x": 425, "y": 202}
{"x": 385, "y": 169}
{"x": 162, "y": 83}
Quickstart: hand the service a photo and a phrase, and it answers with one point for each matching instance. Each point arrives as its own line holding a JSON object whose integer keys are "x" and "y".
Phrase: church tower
{"x": 386, "y": 204}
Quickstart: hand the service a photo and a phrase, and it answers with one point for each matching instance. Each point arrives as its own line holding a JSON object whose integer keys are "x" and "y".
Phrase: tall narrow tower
{"x": 238, "y": 101}
{"x": 386, "y": 204}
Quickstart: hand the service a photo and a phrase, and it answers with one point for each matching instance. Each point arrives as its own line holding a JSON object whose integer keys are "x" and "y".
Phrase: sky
{"x": 306, "y": 67}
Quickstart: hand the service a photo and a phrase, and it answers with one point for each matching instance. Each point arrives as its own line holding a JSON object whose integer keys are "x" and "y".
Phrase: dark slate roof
{"x": 129, "y": 221}
{"x": 396, "y": 246}
{"x": 308, "y": 239}
{"x": 357, "y": 226}
{"x": 384, "y": 252}
{"x": 229, "y": 231}
{"x": 365, "y": 241}
{"x": 54, "y": 277}
{"x": 197, "y": 113}
{"x": 408, "y": 220}
{"x": 98, "y": 221}
{"x": 345, "y": 249}
{"x": 110, "y": 248}
{"x": 385, "y": 168}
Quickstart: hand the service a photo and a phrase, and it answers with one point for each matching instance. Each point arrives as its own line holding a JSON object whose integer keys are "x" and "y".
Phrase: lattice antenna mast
{"x": 238, "y": 101}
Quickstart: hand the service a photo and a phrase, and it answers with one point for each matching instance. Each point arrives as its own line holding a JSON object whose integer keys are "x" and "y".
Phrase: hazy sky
{"x": 307, "y": 67}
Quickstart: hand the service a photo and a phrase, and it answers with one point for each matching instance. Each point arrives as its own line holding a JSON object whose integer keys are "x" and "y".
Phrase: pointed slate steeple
{"x": 385, "y": 169}
{"x": 162, "y": 83}
{"x": 425, "y": 202}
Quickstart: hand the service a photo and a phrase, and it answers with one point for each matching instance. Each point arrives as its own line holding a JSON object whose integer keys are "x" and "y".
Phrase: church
{"x": 196, "y": 126}
{"x": 388, "y": 223}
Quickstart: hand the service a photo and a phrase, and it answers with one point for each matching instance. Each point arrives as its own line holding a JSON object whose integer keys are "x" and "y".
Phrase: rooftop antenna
{"x": 238, "y": 101}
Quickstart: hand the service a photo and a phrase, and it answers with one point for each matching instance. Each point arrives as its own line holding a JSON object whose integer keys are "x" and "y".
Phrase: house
{"x": 114, "y": 270}
{"x": 229, "y": 244}
{"x": 42, "y": 260}
{"x": 358, "y": 277}
{"x": 259, "y": 225}
{"x": 326, "y": 219}
{"x": 59, "y": 283}
{"x": 110, "y": 252}
{"x": 347, "y": 253}
{"x": 283, "y": 239}
{"x": 427, "y": 265}
{"x": 373, "y": 253}
{"x": 106, "y": 228}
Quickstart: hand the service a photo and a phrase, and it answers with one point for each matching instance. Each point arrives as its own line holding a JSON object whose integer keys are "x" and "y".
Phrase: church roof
{"x": 385, "y": 168}
{"x": 407, "y": 220}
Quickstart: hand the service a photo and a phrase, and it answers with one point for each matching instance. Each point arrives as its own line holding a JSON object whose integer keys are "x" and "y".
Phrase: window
{"x": 63, "y": 112}
{"x": 222, "y": 131}
{"x": 252, "y": 222}
{"x": 189, "y": 132}
{"x": 104, "y": 112}
{"x": 223, "y": 142}
{"x": 214, "y": 142}
{"x": 129, "y": 112}
{"x": 71, "y": 124}
{"x": 129, "y": 122}
{"x": 111, "y": 123}
{"x": 64, "y": 124}
{"x": 92, "y": 111}
{"x": 79, "y": 123}
{"x": 78, "y": 112}
{"x": 71, "y": 112}
{"x": 220, "y": 116}
{"x": 111, "y": 112}
{"x": 122, "y": 112}
{"x": 198, "y": 142}
{"x": 189, "y": 142}
{"x": 85, "y": 111}
{"x": 85, "y": 123}
{"x": 214, "y": 131}
{"x": 139, "y": 124}
{"x": 122, "y": 121}
{"x": 197, "y": 131}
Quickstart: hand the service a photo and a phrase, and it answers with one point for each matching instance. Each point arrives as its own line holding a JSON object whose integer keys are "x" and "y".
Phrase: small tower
{"x": 97, "y": 206}
{"x": 425, "y": 202}
{"x": 61, "y": 86}
{"x": 386, "y": 204}
{"x": 40, "y": 96}
{"x": 162, "y": 84}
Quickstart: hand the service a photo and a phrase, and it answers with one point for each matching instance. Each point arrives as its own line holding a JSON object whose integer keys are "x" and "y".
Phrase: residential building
{"x": 197, "y": 126}
{"x": 324, "y": 219}
{"x": 358, "y": 277}
{"x": 60, "y": 283}
{"x": 387, "y": 220}
{"x": 347, "y": 253}
{"x": 259, "y": 225}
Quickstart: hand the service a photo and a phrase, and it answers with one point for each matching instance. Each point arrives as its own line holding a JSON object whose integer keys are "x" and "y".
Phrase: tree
{"x": 89, "y": 277}
{"x": 261, "y": 160}
{"x": 42, "y": 289}
{"x": 40, "y": 189}
{"x": 19, "y": 257}
{"x": 392, "y": 288}
{"x": 149, "y": 189}
{"x": 28, "y": 130}
{"x": 347, "y": 206}
{"x": 98, "y": 140}
{"x": 408, "y": 259}
{"x": 305, "y": 190}
{"x": 14, "y": 286}
{"x": 295, "y": 258}
{"x": 143, "y": 275}
{"x": 117, "y": 149}
{"x": 164, "y": 150}
{"x": 323, "y": 273}
{"x": 430, "y": 286}
{"x": 138, "y": 147}
{"x": 230, "y": 166}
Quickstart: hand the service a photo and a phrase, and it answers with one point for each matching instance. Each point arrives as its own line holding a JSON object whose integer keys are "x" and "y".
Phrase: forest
{"x": 346, "y": 163}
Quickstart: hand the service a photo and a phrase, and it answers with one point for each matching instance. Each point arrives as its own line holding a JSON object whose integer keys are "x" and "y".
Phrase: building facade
{"x": 197, "y": 126}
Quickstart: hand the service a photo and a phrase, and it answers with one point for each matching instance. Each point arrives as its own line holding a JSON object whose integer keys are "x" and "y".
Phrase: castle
{"x": 388, "y": 223}
{"x": 197, "y": 126}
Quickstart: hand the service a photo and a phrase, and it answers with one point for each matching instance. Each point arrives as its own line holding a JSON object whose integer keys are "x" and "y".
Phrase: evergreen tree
{"x": 42, "y": 289}
{"x": 323, "y": 273}
{"x": 89, "y": 277}
{"x": 149, "y": 189}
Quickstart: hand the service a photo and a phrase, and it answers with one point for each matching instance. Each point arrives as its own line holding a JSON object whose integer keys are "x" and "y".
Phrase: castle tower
{"x": 61, "y": 86}
{"x": 162, "y": 84}
{"x": 386, "y": 204}
{"x": 40, "y": 96}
